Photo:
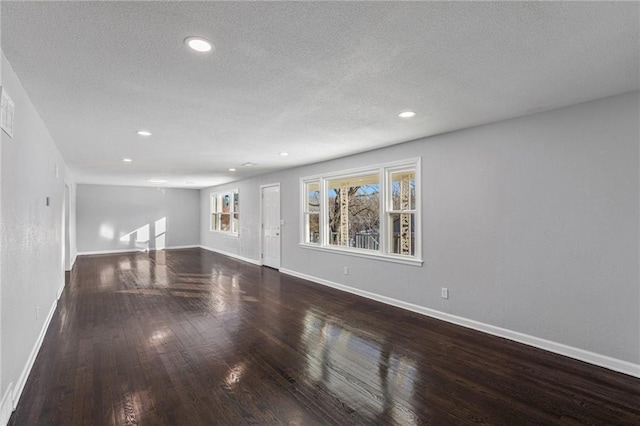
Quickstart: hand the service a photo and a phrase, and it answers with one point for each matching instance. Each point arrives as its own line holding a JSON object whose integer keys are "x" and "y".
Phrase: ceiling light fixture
{"x": 127, "y": 160}
{"x": 407, "y": 114}
{"x": 284, "y": 154}
{"x": 143, "y": 133}
{"x": 198, "y": 44}
{"x": 190, "y": 183}
{"x": 249, "y": 164}
{"x": 157, "y": 180}
{"x": 232, "y": 169}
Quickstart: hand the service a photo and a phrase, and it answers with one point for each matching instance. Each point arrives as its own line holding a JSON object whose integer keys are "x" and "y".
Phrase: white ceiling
{"x": 318, "y": 80}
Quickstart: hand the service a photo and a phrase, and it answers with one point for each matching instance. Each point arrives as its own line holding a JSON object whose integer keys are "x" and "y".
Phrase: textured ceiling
{"x": 318, "y": 80}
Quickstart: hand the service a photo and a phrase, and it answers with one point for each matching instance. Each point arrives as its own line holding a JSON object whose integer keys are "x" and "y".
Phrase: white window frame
{"x": 384, "y": 172}
{"x": 306, "y": 212}
{"x": 388, "y": 210}
{"x": 232, "y": 212}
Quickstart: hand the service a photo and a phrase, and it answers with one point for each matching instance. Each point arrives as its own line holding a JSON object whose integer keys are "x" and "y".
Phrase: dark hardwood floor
{"x": 188, "y": 337}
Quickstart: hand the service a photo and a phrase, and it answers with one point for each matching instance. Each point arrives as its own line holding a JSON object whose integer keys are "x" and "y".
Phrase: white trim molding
{"x": 383, "y": 177}
{"x": 60, "y": 290}
{"x": 614, "y": 364}
{"x": 261, "y": 233}
{"x": 91, "y": 253}
{"x": 373, "y": 255}
{"x": 234, "y": 256}
{"x": 73, "y": 262}
{"x": 179, "y": 247}
{"x": 6, "y": 406}
{"x": 219, "y": 196}
{"x": 12, "y": 395}
{"x": 22, "y": 380}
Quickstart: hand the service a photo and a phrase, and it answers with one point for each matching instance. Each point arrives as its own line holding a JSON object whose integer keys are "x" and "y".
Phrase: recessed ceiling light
{"x": 232, "y": 169}
{"x": 249, "y": 164}
{"x": 407, "y": 114}
{"x": 143, "y": 133}
{"x": 127, "y": 160}
{"x": 157, "y": 180}
{"x": 284, "y": 154}
{"x": 198, "y": 44}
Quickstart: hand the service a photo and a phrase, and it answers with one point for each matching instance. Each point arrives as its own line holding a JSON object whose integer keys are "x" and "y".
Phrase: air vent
{"x": 6, "y": 116}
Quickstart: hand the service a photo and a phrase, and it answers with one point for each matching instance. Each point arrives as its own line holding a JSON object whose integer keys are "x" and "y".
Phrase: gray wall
{"x": 532, "y": 224}
{"x": 104, "y": 214}
{"x": 30, "y": 232}
{"x": 73, "y": 250}
{"x": 2, "y": 388}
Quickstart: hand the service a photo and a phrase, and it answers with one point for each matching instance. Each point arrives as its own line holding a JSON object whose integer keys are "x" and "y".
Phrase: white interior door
{"x": 271, "y": 226}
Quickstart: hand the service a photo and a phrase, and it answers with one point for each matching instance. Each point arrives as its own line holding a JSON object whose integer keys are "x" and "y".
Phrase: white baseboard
{"x": 131, "y": 250}
{"x": 22, "y": 380}
{"x": 60, "y": 290}
{"x": 6, "y": 405}
{"x": 73, "y": 262}
{"x": 180, "y": 247}
{"x": 235, "y": 256}
{"x": 12, "y": 396}
{"x": 559, "y": 348}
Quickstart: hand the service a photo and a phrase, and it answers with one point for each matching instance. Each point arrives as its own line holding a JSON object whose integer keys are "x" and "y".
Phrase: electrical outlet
{"x": 444, "y": 292}
{"x": 346, "y": 270}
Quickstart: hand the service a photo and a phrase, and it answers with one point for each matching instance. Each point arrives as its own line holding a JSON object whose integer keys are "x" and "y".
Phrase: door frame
{"x": 262, "y": 187}
{"x": 66, "y": 224}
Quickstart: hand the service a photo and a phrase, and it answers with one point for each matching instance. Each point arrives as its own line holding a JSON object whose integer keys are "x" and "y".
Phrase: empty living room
{"x": 319, "y": 213}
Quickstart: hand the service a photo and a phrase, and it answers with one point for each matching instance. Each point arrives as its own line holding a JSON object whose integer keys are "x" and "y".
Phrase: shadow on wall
{"x": 140, "y": 238}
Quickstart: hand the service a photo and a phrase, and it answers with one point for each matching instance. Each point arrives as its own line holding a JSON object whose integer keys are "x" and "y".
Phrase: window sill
{"x": 358, "y": 253}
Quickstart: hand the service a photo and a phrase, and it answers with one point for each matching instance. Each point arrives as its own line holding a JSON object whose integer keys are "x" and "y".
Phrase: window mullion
{"x": 382, "y": 232}
{"x": 322, "y": 237}
{"x": 303, "y": 222}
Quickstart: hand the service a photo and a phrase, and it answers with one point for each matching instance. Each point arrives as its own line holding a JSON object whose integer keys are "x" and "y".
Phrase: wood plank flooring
{"x": 189, "y": 337}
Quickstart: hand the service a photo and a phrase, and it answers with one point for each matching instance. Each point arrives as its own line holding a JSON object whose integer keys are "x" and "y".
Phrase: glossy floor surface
{"x": 188, "y": 337}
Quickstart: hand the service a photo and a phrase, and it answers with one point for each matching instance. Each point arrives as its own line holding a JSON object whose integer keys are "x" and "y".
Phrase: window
{"x": 366, "y": 212}
{"x": 353, "y": 207}
{"x": 225, "y": 212}
{"x": 311, "y": 212}
{"x": 401, "y": 212}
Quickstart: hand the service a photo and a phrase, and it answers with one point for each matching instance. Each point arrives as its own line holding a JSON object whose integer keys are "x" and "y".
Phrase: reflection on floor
{"x": 188, "y": 337}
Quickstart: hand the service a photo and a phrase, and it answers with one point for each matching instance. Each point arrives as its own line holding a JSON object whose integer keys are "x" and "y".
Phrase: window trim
{"x": 306, "y": 212}
{"x": 232, "y": 212}
{"x": 388, "y": 210}
{"x": 325, "y": 180}
{"x": 384, "y": 171}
